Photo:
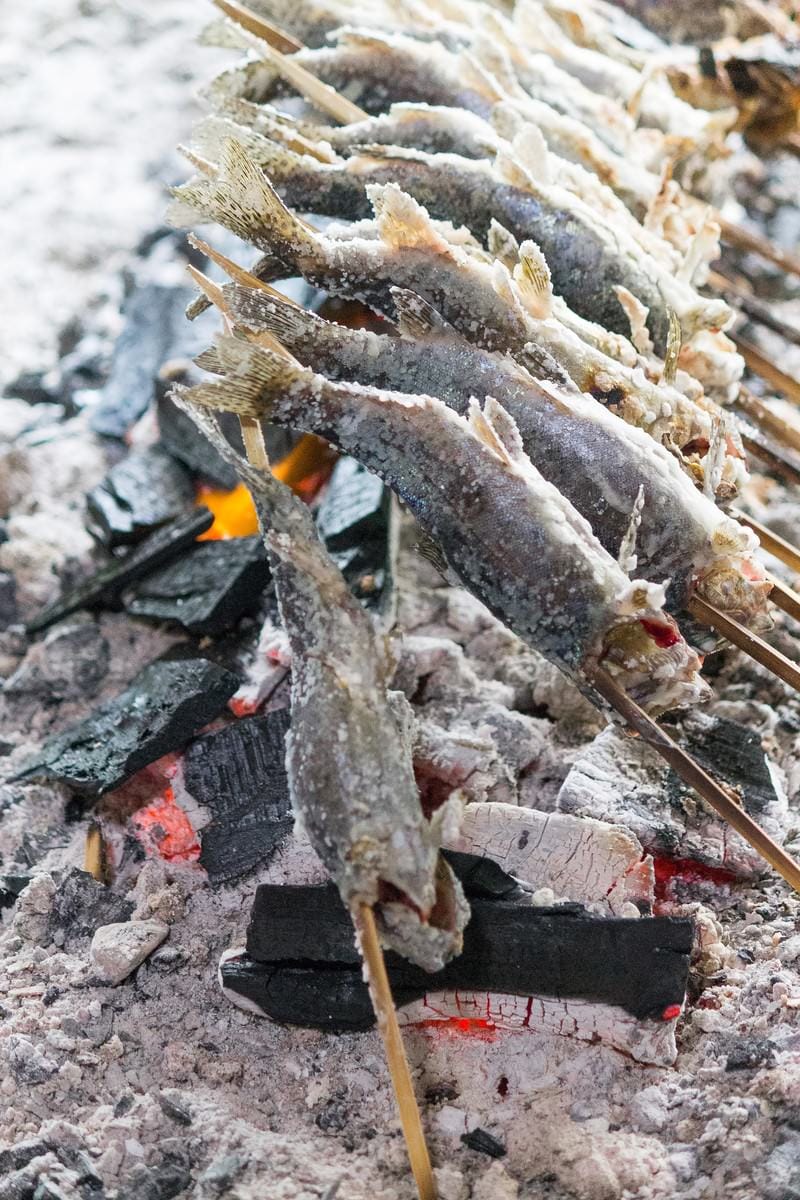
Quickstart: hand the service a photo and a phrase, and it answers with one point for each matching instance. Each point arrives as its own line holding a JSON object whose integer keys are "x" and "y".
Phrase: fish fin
{"x": 267, "y": 310}
{"x": 402, "y": 222}
{"x": 506, "y": 120}
{"x": 532, "y": 277}
{"x": 540, "y": 364}
{"x": 243, "y": 200}
{"x": 209, "y": 360}
{"x": 210, "y": 135}
{"x": 637, "y": 314}
{"x": 531, "y": 152}
{"x": 627, "y": 551}
{"x": 674, "y": 340}
{"x": 477, "y": 76}
{"x": 511, "y": 171}
{"x": 416, "y": 318}
{"x": 252, "y": 374}
{"x": 428, "y": 548}
{"x": 502, "y": 244}
{"x": 496, "y": 429}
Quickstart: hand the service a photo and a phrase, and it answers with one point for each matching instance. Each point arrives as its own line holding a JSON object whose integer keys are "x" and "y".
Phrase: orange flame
{"x": 304, "y": 469}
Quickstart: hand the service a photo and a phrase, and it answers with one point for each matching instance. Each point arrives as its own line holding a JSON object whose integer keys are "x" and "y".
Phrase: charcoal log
{"x": 208, "y": 589}
{"x": 140, "y": 494}
{"x": 238, "y": 774}
{"x": 106, "y": 585}
{"x": 640, "y": 965}
{"x": 159, "y": 712}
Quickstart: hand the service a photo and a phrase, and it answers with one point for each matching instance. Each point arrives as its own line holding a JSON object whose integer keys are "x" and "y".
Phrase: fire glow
{"x": 165, "y": 828}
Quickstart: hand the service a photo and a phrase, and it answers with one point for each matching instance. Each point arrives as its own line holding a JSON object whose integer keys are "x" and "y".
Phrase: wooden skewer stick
{"x": 693, "y": 774}
{"x": 784, "y": 597}
{"x": 383, "y": 1003}
{"x": 236, "y": 272}
{"x": 94, "y": 853}
{"x": 320, "y": 94}
{"x": 744, "y": 239}
{"x": 772, "y": 542}
{"x": 752, "y": 307}
{"x": 759, "y": 364}
{"x": 377, "y": 979}
{"x": 253, "y": 23}
{"x": 762, "y": 416}
{"x": 773, "y": 460}
{"x": 753, "y": 645}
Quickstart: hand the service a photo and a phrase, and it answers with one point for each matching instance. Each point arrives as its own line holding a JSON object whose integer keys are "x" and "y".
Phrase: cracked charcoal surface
{"x": 159, "y": 712}
{"x": 238, "y": 774}
{"x": 208, "y": 588}
{"x": 143, "y": 492}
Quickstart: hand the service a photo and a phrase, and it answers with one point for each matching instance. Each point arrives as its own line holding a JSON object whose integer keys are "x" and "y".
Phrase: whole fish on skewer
{"x": 603, "y": 467}
{"x": 588, "y": 259}
{"x": 515, "y": 541}
{"x": 348, "y": 757}
{"x": 480, "y": 300}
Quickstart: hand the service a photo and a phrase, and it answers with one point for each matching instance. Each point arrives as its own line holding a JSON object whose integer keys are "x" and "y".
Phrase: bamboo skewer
{"x": 237, "y": 273}
{"x": 772, "y": 542}
{"x": 693, "y": 774}
{"x": 761, "y": 365}
{"x": 784, "y": 597}
{"x": 745, "y": 239}
{"x": 752, "y": 307}
{"x": 762, "y": 416}
{"x": 753, "y": 645}
{"x": 320, "y": 94}
{"x": 383, "y": 1003}
{"x": 254, "y": 23}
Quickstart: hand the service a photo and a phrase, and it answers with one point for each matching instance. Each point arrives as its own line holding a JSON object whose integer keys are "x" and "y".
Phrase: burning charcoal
{"x": 639, "y": 965}
{"x": 238, "y": 773}
{"x": 484, "y": 1142}
{"x": 141, "y": 493}
{"x": 154, "y": 331}
{"x": 106, "y": 584}
{"x": 81, "y": 905}
{"x": 163, "y": 707}
{"x": 355, "y": 522}
{"x": 208, "y": 589}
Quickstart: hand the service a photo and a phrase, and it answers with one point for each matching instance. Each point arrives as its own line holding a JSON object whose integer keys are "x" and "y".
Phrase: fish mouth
{"x": 650, "y": 659}
{"x": 429, "y": 939}
{"x": 738, "y": 587}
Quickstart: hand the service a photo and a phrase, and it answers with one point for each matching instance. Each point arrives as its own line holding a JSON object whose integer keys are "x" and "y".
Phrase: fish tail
{"x": 402, "y": 222}
{"x": 290, "y": 324}
{"x": 253, "y": 378}
{"x": 239, "y": 197}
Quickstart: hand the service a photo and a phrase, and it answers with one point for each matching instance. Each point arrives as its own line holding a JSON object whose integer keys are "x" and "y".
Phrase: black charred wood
{"x": 208, "y": 589}
{"x": 733, "y": 753}
{"x": 483, "y": 877}
{"x": 238, "y": 773}
{"x": 81, "y": 905}
{"x": 105, "y": 586}
{"x": 484, "y": 1143}
{"x": 160, "y": 711}
{"x": 354, "y": 520}
{"x": 10, "y": 888}
{"x": 184, "y": 441}
{"x": 639, "y": 964}
{"x": 141, "y": 493}
{"x": 331, "y": 998}
{"x": 154, "y": 331}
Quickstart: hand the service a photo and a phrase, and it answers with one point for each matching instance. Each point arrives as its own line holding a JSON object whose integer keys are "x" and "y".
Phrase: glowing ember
{"x": 164, "y": 829}
{"x": 688, "y": 870}
{"x": 472, "y": 1027}
{"x": 671, "y": 1012}
{"x": 234, "y": 512}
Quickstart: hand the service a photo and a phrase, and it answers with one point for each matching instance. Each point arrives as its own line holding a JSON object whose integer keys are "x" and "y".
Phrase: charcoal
{"x": 184, "y": 441}
{"x": 176, "y": 1112}
{"x": 9, "y": 613}
{"x": 156, "y": 1183}
{"x": 208, "y": 589}
{"x": 138, "y": 495}
{"x": 18, "y": 1186}
{"x": 483, "y": 877}
{"x": 732, "y": 753}
{"x": 162, "y": 708}
{"x": 355, "y": 521}
{"x": 105, "y": 586}
{"x": 10, "y": 888}
{"x": 81, "y": 905}
{"x": 238, "y": 773}
{"x": 17, "y": 1157}
{"x": 300, "y": 940}
{"x": 749, "y": 1054}
{"x": 154, "y": 331}
{"x": 484, "y": 1142}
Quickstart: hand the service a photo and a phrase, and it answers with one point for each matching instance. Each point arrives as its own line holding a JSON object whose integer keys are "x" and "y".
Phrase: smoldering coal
{"x": 239, "y": 775}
